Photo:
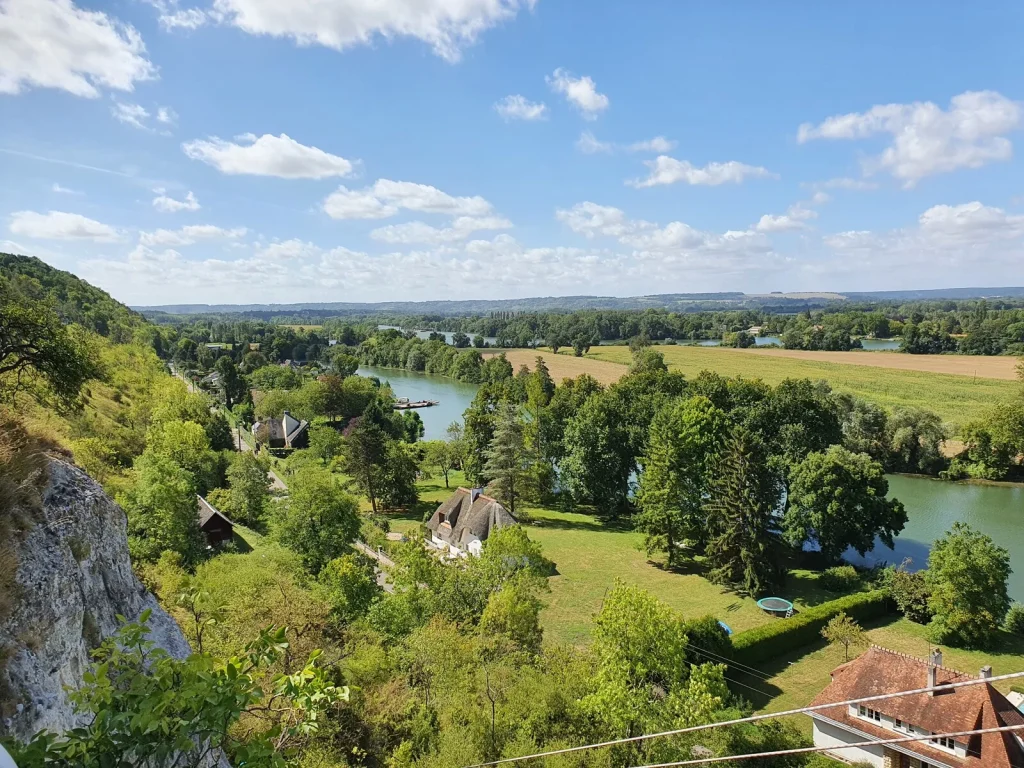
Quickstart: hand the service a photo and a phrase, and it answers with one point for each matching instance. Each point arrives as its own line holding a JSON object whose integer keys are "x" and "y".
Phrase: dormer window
{"x": 898, "y": 724}
{"x": 945, "y": 742}
{"x": 870, "y": 714}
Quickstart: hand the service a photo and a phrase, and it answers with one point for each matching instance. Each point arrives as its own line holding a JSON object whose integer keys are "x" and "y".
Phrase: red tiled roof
{"x": 968, "y": 708}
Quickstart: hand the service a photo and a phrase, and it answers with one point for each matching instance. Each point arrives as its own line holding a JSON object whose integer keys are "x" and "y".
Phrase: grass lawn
{"x": 956, "y": 399}
{"x": 591, "y": 554}
{"x": 792, "y": 681}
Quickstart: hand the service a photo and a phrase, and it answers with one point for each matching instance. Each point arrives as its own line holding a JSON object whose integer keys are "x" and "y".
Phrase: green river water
{"x": 932, "y": 505}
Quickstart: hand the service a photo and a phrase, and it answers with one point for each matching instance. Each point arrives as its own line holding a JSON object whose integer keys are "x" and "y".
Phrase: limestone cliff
{"x": 73, "y": 578}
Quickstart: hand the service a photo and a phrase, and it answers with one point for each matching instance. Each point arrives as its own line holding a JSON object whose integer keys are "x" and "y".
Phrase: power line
{"x": 753, "y": 718}
{"x": 747, "y": 670}
{"x": 809, "y": 750}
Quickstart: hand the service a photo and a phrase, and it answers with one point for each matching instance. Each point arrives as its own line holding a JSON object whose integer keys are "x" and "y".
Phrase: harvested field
{"x": 876, "y": 376}
{"x": 984, "y": 367}
{"x": 565, "y": 366}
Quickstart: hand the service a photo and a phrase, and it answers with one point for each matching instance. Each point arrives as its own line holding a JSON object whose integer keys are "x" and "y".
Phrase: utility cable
{"x": 853, "y": 745}
{"x": 755, "y": 718}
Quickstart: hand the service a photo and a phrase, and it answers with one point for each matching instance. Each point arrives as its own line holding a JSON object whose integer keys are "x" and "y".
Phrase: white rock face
{"x": 75, "y": 577}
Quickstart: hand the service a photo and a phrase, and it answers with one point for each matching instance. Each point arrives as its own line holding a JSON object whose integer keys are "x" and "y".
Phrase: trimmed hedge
{"x": 784, "y": 635}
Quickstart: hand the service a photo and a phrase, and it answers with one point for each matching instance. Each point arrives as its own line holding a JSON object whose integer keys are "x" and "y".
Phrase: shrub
{"x": 909, "y": 591}
{"x": 783, "y": 635}
{"x": 708, "y": 641}
{"x": 1014, "y": 622}
{"x": 840, "y": 578}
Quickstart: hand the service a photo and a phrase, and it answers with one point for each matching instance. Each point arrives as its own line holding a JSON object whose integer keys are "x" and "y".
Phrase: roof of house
{"x": 292, "y": 427}
{"x": 879, "y": 670}
{"x": 467, "y": 515}
{"x": 208, "y": 512}
{"x": 287, "y": 428}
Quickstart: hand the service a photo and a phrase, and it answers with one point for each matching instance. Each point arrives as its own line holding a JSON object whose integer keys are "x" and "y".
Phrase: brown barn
{"x": 215, "y": 524}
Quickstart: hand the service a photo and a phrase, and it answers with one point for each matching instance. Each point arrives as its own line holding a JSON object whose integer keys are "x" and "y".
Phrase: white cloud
{"x": 795, "y": 217}
{"x": 170, "y": 205}
{"x": 166, "y": 115}
{"x": 588, "y": 144}
{"x": 130, "y": 114}
{"x": 65, "y": 190}
{"x": 519, "y": 108}
{"x": 356, "y": 204}
{"x": 581, "y": 92}
{"x": 421, "y": 232}
{"x": 58, "y": 225}
{"x": 55, "y": 44}
{"x": 446, "y": 25}
{"x": 590, "y": 219}
{"x": 668, "y": 170}
{"x": 267, "y": 155}
{"x": 974, "y": 241}
{"x": 926, "y": 139}
{"x": 189, "y": 235}
{"x": 659, "y": 144}
{"x": 185, "y": 18}
{"x": 385, "y": 198}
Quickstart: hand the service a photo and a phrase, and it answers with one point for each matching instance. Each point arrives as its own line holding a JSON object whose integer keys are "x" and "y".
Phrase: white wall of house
{"x": 475, "y": 547}
{"x": 828, "y": 735}
{"x": 900, "y": 728}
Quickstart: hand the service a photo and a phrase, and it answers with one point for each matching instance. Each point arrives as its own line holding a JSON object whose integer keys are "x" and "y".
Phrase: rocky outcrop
{"x": 74, "y": 578}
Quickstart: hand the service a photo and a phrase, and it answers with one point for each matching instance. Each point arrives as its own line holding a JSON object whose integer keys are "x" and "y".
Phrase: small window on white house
{"x": 870, "y": 714}
{"x": 898, "y": 724}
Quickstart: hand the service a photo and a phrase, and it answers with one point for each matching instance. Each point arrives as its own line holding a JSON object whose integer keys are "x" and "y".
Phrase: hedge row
{"x": 784, "y": 635}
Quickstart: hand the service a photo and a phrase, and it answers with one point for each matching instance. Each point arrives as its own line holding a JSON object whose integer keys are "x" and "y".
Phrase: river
{"x": 932, "y": 505}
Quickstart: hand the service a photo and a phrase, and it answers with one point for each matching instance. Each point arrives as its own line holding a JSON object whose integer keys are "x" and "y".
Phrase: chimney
{"x": 934, "y": 662}
{"x": 986, "y": 672}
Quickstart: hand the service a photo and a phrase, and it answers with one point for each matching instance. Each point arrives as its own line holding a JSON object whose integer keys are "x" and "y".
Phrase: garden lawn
{"x": 795, "y": 679}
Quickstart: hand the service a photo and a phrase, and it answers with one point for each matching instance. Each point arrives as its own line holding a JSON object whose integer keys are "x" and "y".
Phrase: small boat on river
{"x": 404, "y": 403}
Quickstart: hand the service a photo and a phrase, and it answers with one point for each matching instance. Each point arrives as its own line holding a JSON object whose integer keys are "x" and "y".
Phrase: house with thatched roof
{"x": 464, "y": 521}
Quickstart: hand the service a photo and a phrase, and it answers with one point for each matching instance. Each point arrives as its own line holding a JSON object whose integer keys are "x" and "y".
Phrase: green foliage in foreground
{"x": 144, "y": 707}
{"x": 760, "y": 644}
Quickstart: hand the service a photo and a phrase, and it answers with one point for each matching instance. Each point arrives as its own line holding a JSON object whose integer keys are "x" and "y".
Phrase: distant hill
{"x": 679, "y": 302}
{"x": 76, "y": 300}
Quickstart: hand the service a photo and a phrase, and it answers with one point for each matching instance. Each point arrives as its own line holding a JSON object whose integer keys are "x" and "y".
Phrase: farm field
{"x": 956, "y": 398}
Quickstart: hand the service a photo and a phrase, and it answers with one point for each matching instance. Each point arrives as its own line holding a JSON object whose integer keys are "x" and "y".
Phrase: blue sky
{"x": 369, "y": 150}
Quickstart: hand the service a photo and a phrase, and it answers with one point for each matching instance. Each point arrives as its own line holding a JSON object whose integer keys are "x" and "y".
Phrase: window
{"x": 898, "y": 724}
{"x": 944, "y": 741}
{"x": 870, "y": 714}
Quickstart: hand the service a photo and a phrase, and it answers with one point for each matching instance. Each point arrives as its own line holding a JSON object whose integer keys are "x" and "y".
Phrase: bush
{"x": 841, "y": 578}
{"x": 707, "y": 639}
{"x": 1014, "y": 622}
{"x": 758, "y": 645}
{"x": 909, "y": 591}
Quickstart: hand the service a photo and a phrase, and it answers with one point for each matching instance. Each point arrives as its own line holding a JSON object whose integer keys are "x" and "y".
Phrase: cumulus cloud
{"x": 975, "y": 241}
{"x": 189, "y": 235}
{"x": 170, "y": 205}
{"x": 927, "y": 140}
{"x": 519, "y": 108}
{"x": 795, "y": 217}
{"x": 385, "y": 198}
{"x": 56, "y": 44}
{"x": 415, "y": 232}
{"x": 166, "y": 115}
{"x": 581, "y": 92}
{"x": 184, "y": 18}
{"x": 659, "y": 145}
{"x": 268, "y": 155}
{"x": 447, "y": 26}
{"x": 590, "y": 219}
{"x": 668, "y": 170}
{"x": 59, "y": 225}
{"x": 588, "y": 144}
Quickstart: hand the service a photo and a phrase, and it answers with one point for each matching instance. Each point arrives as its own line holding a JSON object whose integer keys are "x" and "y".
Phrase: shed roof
{"x": 208, "y": 512}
